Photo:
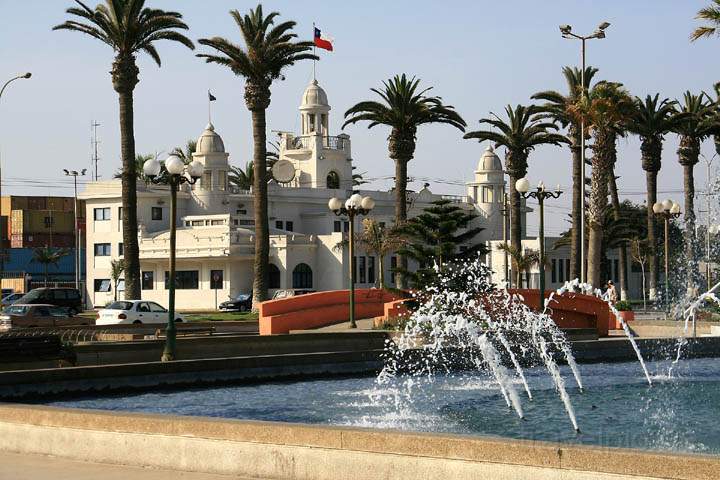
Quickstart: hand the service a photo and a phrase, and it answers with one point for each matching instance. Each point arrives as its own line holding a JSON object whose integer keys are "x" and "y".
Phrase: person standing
{"x": 611, "y": 292}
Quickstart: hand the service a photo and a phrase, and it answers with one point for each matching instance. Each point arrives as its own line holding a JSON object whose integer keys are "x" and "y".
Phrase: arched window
{"x": 302, "y": 276}
{"x": 273, "y": 276}
{"x": 333, "y": 180}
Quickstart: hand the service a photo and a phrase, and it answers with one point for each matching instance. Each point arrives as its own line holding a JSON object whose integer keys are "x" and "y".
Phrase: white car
{"x": 133, "y": 311}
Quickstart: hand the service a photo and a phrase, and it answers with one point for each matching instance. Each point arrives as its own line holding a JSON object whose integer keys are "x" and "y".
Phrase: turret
{"x": 212, "y": 189}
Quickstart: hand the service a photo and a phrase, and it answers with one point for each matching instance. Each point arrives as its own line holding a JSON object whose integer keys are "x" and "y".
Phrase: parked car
{"x": 291, "y": 292}
{"x": 241, "y": 303}
{"x": 69, "y": 298}
{"x": 38, "y": 315}
{"x": 10, "y": 299}
{"x": 133, "y": 311}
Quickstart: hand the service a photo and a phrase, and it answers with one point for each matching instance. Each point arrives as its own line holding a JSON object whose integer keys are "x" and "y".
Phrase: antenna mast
{"x": 94, "y": 142}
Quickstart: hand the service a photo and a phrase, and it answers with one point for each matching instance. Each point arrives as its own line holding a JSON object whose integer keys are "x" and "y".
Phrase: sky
{"x": 477, "y": 55}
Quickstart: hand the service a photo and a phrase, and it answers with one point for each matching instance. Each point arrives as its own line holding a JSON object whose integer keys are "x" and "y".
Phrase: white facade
{"x": 215, "y": 221}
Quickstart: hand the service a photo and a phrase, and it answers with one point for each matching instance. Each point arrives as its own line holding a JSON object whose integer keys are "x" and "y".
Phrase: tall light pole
{"x": 2, "y": 246}
{"x": 667, "y": 210}
{"x": 566, "y": 31}
{"x": 712, "y": 230}
{"x": 353, "y": 206}
{"x": 174, "y": 173}
{"x": 708, "y": 183}
{"x": 540, "y": 194}
{"x": 75, "y": 174}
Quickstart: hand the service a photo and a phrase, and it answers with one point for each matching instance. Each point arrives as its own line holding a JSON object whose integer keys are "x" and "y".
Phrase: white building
{"x": 215, "y": 242}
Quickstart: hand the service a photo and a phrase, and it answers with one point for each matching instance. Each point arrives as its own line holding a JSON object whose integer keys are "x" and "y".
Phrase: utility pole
{"x": 505, "y": 213}
{"x": 94, "y": 142}
{"x": 75, "y": 174}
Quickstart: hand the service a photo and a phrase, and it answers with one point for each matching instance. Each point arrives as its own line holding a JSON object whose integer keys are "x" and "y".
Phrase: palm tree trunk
{"x": 129, "y": 196}
{"x": 690, "y": 256}
{"x": 401, "y": 209}
{"x": 598, "y": 203}
{"x": 577, "y": 205}
{"x": 622, "y": 263}
{"x": 653, "y": 260}
{"x": 262, "y": 236}
{"x": 515, "y": 220}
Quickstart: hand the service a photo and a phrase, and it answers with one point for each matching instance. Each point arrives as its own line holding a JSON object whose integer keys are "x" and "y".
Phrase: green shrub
{"x": 623, "y": 306}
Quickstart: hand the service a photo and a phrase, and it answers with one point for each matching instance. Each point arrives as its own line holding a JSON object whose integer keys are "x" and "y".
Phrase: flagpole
{"x": 209, "y": 102}
{"x": 314, "y": 60}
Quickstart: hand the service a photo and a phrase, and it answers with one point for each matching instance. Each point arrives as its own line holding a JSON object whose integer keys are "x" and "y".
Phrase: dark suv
{"x": 69, "y": 298}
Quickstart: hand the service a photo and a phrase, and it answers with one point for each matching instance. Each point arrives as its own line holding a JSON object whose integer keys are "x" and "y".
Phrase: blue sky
{"x": 478, "y": 55}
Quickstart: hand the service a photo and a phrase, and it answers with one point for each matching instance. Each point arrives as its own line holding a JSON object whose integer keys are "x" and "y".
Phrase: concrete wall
{"x": 304, "y": 452}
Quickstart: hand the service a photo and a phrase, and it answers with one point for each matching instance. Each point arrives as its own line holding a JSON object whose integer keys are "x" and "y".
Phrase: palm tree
{"x": 605, "y": 109}
{"x": 694, "y": 125}
{"x": 129, "y": 28}
{"x": 520, "y": 134}
{"x": 140, "y": 160}
{"x": 117, "y": 267}
{"x": 47, "y": 256}
{"x": 522, "y": 261}
{"x": 711, "y": 15}
{"x": 558, "y": 107}
{"x": 651, "y": 120}
{"x": 243, "y": 179}
{"x": 269, "y": 49}
{"x": 378, "y": 241}
{"x": 404, "y": 108}
{"x": 187, "y": 154}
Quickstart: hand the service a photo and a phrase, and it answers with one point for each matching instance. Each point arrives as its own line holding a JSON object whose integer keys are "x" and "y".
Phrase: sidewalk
{"x": 15, "y": 466}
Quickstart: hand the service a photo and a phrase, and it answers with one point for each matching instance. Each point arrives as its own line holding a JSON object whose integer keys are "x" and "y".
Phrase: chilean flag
{"x": 322, "y": 42}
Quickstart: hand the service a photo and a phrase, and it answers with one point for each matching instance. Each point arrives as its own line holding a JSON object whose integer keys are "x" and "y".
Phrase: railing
{"x": 307, "y": 141}
{"x": 454, "y": 198}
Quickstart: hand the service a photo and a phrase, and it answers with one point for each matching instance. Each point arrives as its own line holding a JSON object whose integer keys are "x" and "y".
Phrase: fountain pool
{"x": 618, "y": 407}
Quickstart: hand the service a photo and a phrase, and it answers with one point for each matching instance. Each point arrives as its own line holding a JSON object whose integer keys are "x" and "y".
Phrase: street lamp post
{"x": 75, "y": 174}
{"x": 2, "y": 258}
{"x": 667, "y": 210}
{"x": 712, "y": 230}
{"x": 353, "y": 206}
{"x": 540, "y": 194}
{"x": 599, "y": 33}
{"x": 174, "y": 173}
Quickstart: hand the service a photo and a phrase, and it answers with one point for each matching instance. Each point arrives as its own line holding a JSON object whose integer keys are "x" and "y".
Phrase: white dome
{"x": 210, "y": 141}
{"x": 489, "y": 161}
{"x": 314, "y": 97}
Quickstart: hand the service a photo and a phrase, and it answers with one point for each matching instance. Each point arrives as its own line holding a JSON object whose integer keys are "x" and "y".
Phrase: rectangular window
{"x": 554, "y": 270}
{"x": 216, "y": 279}
{"x": 562, "y": 270}
{"x": 487, "y": 194}
{"x": 289, "y": 226}
{"x": 197, "y": 223}
{"x": 567, "y": 270}
{"x": 346, "y": 226}
{"x": 222, "y": 180}
{"x": 49, "y": 222}
{"x": 337, "y": 226}
{"x": 102, "y": 249}
{"x": 215, "y": 223}
{"x": 371, "y": 270}
{"x": 393, "y": 266}
{"x": 362, "y": 268}
{"x": 101, "y": 213}
{"x": 121, "y": 249}
{"x": 147, "y": 280}
{"x": 279, "y": 224}
{"x": 184, "y": 280}
{"x": 120, "y": 219}
{"x": 156, "y": 213}
{"x": 206, "y": 181}
{"x": 102, "y": 285}
{"x": 616, "y": 264}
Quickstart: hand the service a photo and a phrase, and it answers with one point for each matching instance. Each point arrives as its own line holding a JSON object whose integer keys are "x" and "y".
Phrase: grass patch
{"x": 221, "y": 317}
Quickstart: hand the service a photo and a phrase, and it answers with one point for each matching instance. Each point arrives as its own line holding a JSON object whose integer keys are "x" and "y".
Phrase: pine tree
{"x": 434, "y": 238}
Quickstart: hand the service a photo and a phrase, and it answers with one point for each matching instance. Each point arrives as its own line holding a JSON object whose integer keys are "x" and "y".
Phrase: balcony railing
{"x": 307, "y": 141}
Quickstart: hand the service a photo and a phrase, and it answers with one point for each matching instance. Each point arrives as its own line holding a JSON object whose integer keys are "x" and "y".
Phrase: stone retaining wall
{"x": 305, "y": 452}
